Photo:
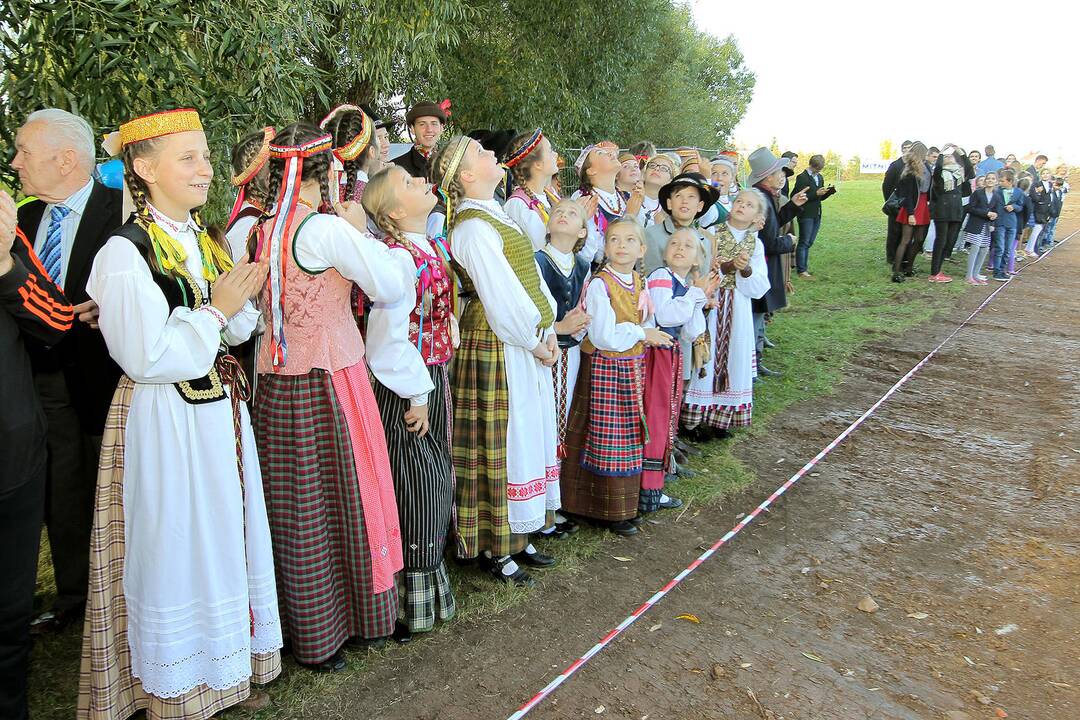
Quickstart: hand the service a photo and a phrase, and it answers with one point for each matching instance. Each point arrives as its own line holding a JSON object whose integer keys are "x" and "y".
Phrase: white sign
{"x": 873, "y": 167}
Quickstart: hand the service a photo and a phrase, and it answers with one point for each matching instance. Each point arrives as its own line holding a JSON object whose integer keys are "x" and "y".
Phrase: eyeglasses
{"x": 658, "y": 166}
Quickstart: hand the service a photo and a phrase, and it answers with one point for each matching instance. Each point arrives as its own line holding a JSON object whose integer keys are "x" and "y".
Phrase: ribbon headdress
{"x": 451, "y": 173}
{"x": 284, "y": 217}
{"x": 353, "y": 147}
{"x": 241, "y": 179}
{"x": 519, "y": 154}
{"x": 170, "y": 254}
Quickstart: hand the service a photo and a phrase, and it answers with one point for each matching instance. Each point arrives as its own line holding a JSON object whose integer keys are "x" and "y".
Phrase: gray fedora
{"x": 763, "y": 164}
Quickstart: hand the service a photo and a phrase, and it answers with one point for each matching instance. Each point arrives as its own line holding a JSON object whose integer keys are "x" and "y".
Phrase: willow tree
{"x": 242, "y": 63}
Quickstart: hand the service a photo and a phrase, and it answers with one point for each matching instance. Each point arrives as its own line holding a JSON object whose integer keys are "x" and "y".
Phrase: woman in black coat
{"x": 913, "y": 189}
{"x": 951, "y": 183}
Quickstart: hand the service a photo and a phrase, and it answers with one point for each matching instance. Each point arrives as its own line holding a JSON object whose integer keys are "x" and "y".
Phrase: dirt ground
{"x": 956, "y": 509}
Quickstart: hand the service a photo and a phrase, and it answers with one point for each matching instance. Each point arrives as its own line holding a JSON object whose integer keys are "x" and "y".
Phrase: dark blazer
{"x": 1006, "y": 218}
{"x": 907, "y": 187}
{"x": 978, "y": 208}
{"x": 82, "y": 356}
{"x": 949, "y": 206}
{"x": 812, "y": 207}
{"x": 892, "y": 177}
{"x": 31, "y": 307}
{"x": 414, "y": 163}
{"x": 775, "y": 245}
{"x": 1057, "y": 199}
{"x": 1041, "y": 201}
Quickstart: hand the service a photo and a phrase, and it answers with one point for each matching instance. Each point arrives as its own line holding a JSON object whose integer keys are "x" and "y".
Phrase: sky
{"x": 845, "y": 76}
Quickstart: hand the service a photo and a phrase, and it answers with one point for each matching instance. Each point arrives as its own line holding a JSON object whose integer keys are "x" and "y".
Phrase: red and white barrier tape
{"x": 633, "y": 617}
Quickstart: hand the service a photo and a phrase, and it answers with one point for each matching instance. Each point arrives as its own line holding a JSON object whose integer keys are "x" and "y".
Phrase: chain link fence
{"x": 568, "y": 176}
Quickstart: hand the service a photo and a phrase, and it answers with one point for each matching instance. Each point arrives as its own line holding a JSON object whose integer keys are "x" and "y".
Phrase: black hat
{"x": 425, "y": 109}
{"x": 709, "y": 195}
{"x": 497, "y": 141}
{"x": 379, "y": 122}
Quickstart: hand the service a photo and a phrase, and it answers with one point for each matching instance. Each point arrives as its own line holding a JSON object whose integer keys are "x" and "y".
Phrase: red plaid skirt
{"x": 663, "y": 399}
{"x": 613, "y": 444}
{"x": 586, "y": 493}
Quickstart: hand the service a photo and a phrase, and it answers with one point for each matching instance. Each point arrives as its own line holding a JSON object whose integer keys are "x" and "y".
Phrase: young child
{"x": 1025, "y": 222}
{"x": 410, "y": 343}
{"x": 723, "y": 179}
{"x": 1041, "y": 197}
{"x": 678, "y": 311}
{"x": 629, "y": 178}
{"x": 981, "y": 211}
{"x": 601, "y": 475}
{"x": 598, "y": 166}
{"x": 721, "y": 395}
{"x": 329, "y": 490}
{"x": 1005, "y": 225}
{"x": 659, "y": 169}
{"x": 357, "y": 154}
{"x": 1057, "y": 198}
{"x": 251, "y": 175}
{"x": 533, "y": 164}
{"x": 182, "y": 609}
{"x": 685, "y": 199}
{"x": 566, "y": 275}
{"x": 504, "y": 403}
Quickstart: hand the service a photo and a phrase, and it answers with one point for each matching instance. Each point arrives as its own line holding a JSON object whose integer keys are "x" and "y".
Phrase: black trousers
{"x": 892, "y": 240}
{"x": 946, "y": 232}
{"x": 21, "y": 510}
{"x": 69, "y": 491}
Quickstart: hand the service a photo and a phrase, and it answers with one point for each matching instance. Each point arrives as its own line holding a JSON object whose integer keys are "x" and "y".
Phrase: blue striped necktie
{"x": 52, "y": 251}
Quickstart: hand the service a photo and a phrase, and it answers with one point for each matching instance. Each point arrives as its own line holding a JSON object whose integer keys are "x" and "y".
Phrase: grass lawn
{"x": 850, "y": 302}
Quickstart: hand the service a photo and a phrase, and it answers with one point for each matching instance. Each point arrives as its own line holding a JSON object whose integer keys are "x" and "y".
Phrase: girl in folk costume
{"x": 601, "y": 474}
{"x": 659, "y": 169}
{"x": 411, "y": 342}
{"x": 182, "y": 608}
{"x": 533, "y": 164}
{"x": 356, "y": 149}
{"x": 566, "y": 275}
{"x": 330, "y": 497}
{"x": 598, "y": 166}
{"x": 356, "y": 157}
{"x": 678, "y": 311}
{"x": 720, "y": 395}
{"x": 723, "y": 177}
{"x": 251, "y": 174}
{"x": 504, "y": 414}
{"x": 629, "y": 178}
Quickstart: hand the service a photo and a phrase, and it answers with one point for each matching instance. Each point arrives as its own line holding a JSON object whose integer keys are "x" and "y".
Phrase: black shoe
{"x": 766, "y": 372}
{"x": 671, "y": 503}
{"x": 636, "y": 521}
{"x": 402, "y": 634}
{"x": 567, "y": 526}
{"x": 897, "y": 277}
{"x": 553, "y": 534}
{"x": 535, "y": 559}
{"x": 362, "y": 643}
{"x": 519, "y": 577}
{"x": 623, "y": 527}
{"x": 909, "y": 273}
{"x": 334, "y": 663}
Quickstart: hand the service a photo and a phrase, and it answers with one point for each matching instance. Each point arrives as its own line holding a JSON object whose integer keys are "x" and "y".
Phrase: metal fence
{"x": 568, "y": 177}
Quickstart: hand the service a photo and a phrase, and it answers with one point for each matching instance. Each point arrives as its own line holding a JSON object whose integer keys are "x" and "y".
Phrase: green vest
{"x": 518, "y": 251}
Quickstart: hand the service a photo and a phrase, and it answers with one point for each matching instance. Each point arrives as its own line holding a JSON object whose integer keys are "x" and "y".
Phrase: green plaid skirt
{"x": 481, "y": 414}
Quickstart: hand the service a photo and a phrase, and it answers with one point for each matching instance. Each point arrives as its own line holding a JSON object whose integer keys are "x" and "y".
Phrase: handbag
{"x": 892, "y": 205}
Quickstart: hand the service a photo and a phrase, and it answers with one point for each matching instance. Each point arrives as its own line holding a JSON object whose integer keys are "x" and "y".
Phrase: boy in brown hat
{"x": 426, "y": 121}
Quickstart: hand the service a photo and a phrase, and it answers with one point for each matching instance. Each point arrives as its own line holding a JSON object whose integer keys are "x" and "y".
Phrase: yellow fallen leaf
{"x": 918, "y": 615}
{"x": 689, "y": 617}
{"x": 812, "y": 656}
{"x": 745, "y": 666}
{"x": 622, "y": 559}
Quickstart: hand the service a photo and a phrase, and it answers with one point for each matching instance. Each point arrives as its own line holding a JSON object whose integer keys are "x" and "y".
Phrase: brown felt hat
{"x": 425, "y": 109}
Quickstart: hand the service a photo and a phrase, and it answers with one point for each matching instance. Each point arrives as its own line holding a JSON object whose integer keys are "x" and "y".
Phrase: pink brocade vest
{"x": 320, "y": 330}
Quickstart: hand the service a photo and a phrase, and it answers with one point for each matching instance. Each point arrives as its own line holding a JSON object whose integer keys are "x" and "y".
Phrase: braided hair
{"x": 439, "y": 165}
{"x": 316, "y": 166}
{"x": 523, "y": 170}
{"x": 243, "y": 153}
{"x": 345, "y": 126}
{"x": 379, "y": 202}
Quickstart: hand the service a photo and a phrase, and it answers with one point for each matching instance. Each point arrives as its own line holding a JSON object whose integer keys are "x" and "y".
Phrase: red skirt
{"x": 922, "y": 211}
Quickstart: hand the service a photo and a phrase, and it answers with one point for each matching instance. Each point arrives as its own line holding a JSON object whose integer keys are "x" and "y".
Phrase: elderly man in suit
{"x": 67, "y": 224}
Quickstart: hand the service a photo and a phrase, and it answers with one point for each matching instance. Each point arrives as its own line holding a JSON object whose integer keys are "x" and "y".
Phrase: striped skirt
{"x": 423, "y": 473}
{"x": 322, "y": 552}
{"x": 601, "y": 497}
{"x": 107, "y": 688}
{"x": 979, "y": 240}
{"x": 481, "y": 417}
